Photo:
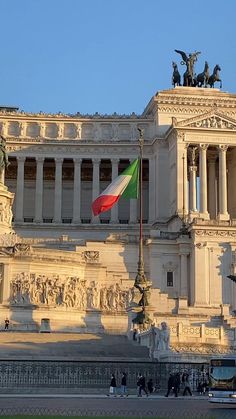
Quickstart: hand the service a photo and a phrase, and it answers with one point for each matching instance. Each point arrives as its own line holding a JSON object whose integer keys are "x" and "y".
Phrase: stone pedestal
{"x": 6, "y": 201}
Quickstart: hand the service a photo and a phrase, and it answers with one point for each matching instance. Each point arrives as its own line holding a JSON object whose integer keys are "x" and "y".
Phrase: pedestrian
{"x": 170, "y": 384}
{"x": 112, "y": 390}
{"x": 135, "y": 334}
{"x": 186, "y": 384}
{"x": 150, "y": 386}
{"x": 177, "y": 383}
{"x": 7, "y": 322}
{"x": 123, "y": 388}
{"x": 141, "y": 383}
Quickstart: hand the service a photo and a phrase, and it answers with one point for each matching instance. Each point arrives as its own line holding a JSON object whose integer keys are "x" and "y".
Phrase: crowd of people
{"x": 177, "y": 384}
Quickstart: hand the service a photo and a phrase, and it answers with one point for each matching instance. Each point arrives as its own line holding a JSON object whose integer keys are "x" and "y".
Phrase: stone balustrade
{"x": 61, "y": 130}
{"x": 189, "y": 334}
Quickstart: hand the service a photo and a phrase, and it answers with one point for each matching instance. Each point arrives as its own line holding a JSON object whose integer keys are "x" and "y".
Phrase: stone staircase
{"x": 69, "y": 346}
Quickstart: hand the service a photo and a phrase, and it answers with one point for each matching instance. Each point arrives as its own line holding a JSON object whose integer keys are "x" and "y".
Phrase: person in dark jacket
{"x": 141, "y": 383}
{"x": 123, "y": 388}
{"x": 170, "y": 384}
{"x": 150, "y": 386}
{"x": 112, "y": 391}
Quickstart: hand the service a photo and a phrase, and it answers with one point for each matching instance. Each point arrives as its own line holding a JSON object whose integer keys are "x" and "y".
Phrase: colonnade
{"x": 213, "y": 200}
{"x": 57, "y": 218}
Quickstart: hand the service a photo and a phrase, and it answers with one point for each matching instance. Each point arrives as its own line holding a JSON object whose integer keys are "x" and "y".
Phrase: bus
{"x": 222, "y": 380}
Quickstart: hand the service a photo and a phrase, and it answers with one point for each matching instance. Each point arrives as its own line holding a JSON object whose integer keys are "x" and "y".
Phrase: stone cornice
{"x": 78, "y": 117}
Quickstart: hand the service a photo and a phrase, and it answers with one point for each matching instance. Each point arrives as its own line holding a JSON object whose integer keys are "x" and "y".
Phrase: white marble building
{"x": 60, "y": 163}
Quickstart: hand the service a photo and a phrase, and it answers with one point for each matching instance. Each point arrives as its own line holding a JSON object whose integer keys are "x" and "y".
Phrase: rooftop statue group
{"x": 190, "y": 78}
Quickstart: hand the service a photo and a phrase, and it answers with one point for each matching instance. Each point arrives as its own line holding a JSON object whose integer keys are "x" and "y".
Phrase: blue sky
{"x": 107, "y": 55}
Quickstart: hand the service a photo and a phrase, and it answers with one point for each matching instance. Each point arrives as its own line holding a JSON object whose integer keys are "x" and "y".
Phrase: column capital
{"x": 115, "y": 160}
{"x": 223, "y": 147}
{"x": 21, "y": 159}
{"x": 192, "y": 168}
{"x": 39, "y": 159}
{"x": 96, "y": 161}
{"x": 59, "y": 160}
{"x": 203, "y": 146}
{"x": 77, "y": 160}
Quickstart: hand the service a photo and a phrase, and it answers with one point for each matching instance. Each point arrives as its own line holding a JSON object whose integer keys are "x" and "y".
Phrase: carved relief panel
{"x": 67, "y": 291}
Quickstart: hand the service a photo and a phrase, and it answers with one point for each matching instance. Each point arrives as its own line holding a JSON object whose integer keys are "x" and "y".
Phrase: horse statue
{"x": 175, "y": 75}
{"x": 189, "y": 61}
{"x": 202, "y": 78}
{"x": 215, "y": 76}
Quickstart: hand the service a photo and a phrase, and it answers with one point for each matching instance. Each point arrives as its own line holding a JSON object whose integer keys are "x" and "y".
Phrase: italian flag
{"x": 125, "y": 185}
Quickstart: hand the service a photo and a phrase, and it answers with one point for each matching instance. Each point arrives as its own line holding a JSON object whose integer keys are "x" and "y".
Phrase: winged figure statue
{"x": 188, "y": 60}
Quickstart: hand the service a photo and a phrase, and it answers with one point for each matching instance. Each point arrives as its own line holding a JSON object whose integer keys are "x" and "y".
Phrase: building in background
{"x": 70, "y": 270}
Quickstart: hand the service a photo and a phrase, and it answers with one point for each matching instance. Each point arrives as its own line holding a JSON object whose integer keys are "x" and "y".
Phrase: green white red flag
{"x": 125, "y": 185}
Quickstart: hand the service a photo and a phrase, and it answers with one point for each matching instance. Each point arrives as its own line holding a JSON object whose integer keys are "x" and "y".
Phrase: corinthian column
{"x": 223, "y": 213}
{"x": 58, "y": 191}
{"x": 77, "y": 191}
{"x": 203, "y": 180}
{"x": 20, "y": 189}
{"x": 39, "y": 191}
{"x": 114, "y": 210}
{"x": 96, "y": 185}
{"x": 192, "y": 188}
{"x": 212, "y": 185}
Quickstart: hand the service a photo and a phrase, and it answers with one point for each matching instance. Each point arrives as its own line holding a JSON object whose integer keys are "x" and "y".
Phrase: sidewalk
{"x": 98, "y": 396}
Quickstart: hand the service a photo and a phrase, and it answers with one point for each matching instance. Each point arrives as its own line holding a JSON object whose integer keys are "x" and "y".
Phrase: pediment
{"x": 211, "y": 120}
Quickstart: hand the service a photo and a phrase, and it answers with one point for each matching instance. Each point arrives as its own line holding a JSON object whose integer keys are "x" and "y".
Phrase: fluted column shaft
{"x": 114, "y": 210}
{"x": 38, "y": 218}
{"x": 77, "y": 191}
{"x": 19, "y": 217}
{"x": 58, "y": 191}
{"x": 203, "y": 180}
{"x": 223, "y": 213}
{"x": 192, "y": 188}
{"x": 212, "y": 186}
{"x": 96, "y": 185}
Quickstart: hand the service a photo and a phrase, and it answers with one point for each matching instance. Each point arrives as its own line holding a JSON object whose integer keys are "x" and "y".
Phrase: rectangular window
{"x": 170, "y": 279}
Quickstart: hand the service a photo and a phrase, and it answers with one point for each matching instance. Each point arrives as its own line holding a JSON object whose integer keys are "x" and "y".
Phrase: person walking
{"x": 141, "y": 383}
{"x": 186, "y": 383}
{"x": 123, "y": 388}
{"x": 112, "y": 390}
{"x": 150, "y": 386}
{"x": 170, "y": 384}
{"x": 7, "y": 322}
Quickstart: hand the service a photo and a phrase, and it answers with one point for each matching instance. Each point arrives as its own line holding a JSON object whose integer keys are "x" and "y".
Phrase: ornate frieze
{"x": 67, "y": 291}
{"x": 215, "y": 233}
{"x": 202, "y": 348}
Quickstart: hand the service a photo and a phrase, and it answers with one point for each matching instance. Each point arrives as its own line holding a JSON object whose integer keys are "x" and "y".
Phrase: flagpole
{"x": 140, "y": 279}
{"x": 141, "y": 283}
